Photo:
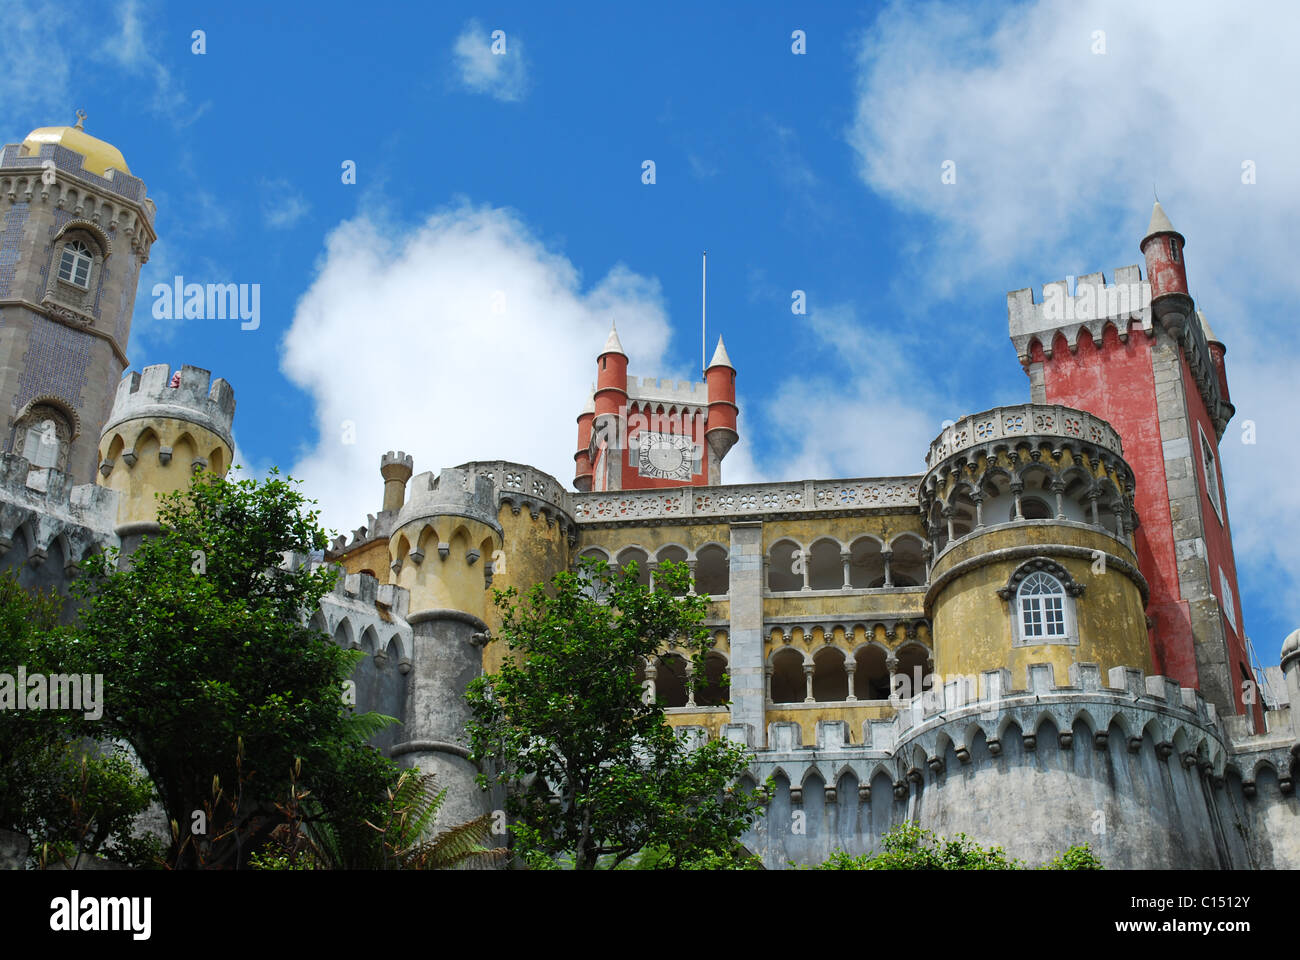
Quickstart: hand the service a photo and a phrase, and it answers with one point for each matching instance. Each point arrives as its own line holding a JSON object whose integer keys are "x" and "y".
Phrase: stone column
{"x": 947, "y": 515}
{"x": 1092, "y": 507}
{"x": 978, "y": 497}
{"x": 1017, "y": 488}
{"x": 1058, "y": 488}
{"x": 845, "y": 557}
{"x": 805, "y": 561}
{"x": 651, "y": 674}
{"x": 767, "y": 680}
{"x": 690, "y": 683}
{"x": 891, "y": 664}
{"x": 653, "y": 567}
{"x": 690, "y": 568}
{"x": 851, "y": 668}
{"x": 447, "y": 655}
{"x": 747, "y": 569}
{"x": 807, "y": 679}
{"x": 888, "y": 555}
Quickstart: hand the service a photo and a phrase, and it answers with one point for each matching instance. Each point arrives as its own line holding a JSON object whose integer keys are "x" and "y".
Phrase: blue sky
{"x": 519, "y": 177}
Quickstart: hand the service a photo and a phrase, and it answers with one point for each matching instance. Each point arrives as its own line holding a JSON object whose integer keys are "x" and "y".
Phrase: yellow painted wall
{"x": 973, "y": 625}
{"x": 138, "y": 484}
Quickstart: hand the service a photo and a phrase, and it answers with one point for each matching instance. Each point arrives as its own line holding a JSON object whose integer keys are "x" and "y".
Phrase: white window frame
{"x": 1069, "y": 619}
{"x": 74, "y": 256}
{"x": 1210, "y": 473}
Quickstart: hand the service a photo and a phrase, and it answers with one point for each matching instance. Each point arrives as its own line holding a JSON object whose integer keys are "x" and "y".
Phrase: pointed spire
{"x": 1159, "y": 222}
{"x": 720, "y": 358}
{"x": 612, "y": 344}
{"x": 591, "y": 401}
{"x": 1205, "y": 328}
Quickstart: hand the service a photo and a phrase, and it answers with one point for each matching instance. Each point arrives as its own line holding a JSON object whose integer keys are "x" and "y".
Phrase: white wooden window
{"x": 1211, "y": 470}
{"x": 74, "y": 264}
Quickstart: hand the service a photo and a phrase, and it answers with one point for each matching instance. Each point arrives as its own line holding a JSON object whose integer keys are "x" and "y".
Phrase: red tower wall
{"x": 1116, "y": 382}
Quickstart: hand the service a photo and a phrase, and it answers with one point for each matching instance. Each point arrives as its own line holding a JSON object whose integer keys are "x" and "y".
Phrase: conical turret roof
{"x": 720, "y": 358}
{"x": 612, "y": 344}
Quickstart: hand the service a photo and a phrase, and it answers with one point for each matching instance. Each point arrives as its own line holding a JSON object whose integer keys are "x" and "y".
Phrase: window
{"x": 1228, "y": 601}
{"x": 1042, "y": 607}
{"x": 1173, "y": 249}
{"x": 1211, "y": 473}
{"x": 74, "y": 265}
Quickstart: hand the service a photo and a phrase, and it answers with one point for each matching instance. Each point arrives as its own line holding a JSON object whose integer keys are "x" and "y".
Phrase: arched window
{"x": 42, "y": 436}
{"x": 1044, "y": 611}
{"x": 74, "y": 265}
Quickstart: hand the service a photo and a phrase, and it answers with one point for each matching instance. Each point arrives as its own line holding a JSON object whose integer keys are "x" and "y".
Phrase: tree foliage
{"x": 72, "y": 800}
{"x": 594, "y": 771}
{"x": 211, "y": 676}
{"x": 909, "y": 847}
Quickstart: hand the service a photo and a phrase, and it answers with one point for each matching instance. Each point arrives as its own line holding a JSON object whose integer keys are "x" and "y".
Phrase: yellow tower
{"x": 163, "y": 428}
{"x": 1030, "y": 515}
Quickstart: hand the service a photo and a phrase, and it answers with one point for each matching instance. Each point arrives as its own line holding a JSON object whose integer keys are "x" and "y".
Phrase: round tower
{"x": 721, "y": 433}
{"x": 1291, "y": 673}
{"x": 396, "y": 469}
{"x": 1166, "y": 269}
{"x": 75, "y": 230}
{"x": 1031, "y": 521}
{"x": 582, "y": 459}
{"x": 444, "y": 538}
{"x": 162, "y": 429}
{"x": 611, "y": 408}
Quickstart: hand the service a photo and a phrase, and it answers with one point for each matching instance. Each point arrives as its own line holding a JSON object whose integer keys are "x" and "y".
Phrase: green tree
{"x": 73, "y": 800}
{"x": 594, "y": 772}
{"x": 213, "y": 679}
{"x": 909, "y": 847}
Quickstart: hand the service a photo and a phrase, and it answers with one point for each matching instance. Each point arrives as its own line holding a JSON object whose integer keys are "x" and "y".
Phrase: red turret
{"x": 1163, "y": 249}
{"x": 582, "y": 459}
{"x": 721, "y": 433}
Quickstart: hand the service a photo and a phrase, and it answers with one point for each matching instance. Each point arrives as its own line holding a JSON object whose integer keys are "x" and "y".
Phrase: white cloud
{"x": 130, "y": 50}
{"x": 852, "y": 420}
{"x": 495, "y": 66}
{"x": 282, "y": 205}
{"x": 1056, "y": 150}
{"x": 464, "y": 338}
{"x": 34, "y": 81}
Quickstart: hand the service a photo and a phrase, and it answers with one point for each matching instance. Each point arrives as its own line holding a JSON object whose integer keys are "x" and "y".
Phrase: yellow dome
{"x": 100, "y": 156}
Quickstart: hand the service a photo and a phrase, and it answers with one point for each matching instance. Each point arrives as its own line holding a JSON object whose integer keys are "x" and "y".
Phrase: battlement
{"x": 196, "y": 399}
{"x": 667, "y": 390}
{"x": 397, "y": 458}
{"x": 454, "y": 491}
{"x": 1094, "y": 304}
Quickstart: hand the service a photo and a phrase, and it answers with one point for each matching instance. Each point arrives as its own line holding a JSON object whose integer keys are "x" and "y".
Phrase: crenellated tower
{"x": 646, "y": 433}
{"x": 75, "y": 229}
{"x": 162, "y": 428}
{"x": 1140, "y": 355}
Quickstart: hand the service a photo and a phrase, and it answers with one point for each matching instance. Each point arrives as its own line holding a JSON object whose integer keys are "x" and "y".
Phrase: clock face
{"x": 667, "y": 456}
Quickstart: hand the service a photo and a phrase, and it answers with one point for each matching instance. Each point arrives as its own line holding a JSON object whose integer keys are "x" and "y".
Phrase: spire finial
{"x": 81, "y": 120}
{"x": 1153, "y": 191}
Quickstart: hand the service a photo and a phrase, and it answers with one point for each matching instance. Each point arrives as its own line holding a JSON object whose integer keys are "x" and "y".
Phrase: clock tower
{"x": 641, "y": 433}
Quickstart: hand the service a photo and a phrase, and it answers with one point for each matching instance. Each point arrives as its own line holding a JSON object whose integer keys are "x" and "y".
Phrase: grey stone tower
{"x": 75, "y": 229}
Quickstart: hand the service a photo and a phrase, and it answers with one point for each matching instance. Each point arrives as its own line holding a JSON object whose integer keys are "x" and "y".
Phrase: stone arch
{"x": 714, "y": 690}
{"x": 788, "y": 684}
{"x": 670, "y": 680}
{"x": 784, "y": 570}
{"x": 825, "y": 568}
{"x": 907, "y": 563}
{"x": 871, "y": 675}
{"x": 866, "y": 562}
{"x": 344, "y": 635}
{"x": 712, "y": 570}
{"x": 830, "y": 679}
{"x": 634, "y": 554}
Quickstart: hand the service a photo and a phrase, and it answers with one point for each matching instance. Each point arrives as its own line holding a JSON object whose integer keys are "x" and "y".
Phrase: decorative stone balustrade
{"x": 1022, "y": 421}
